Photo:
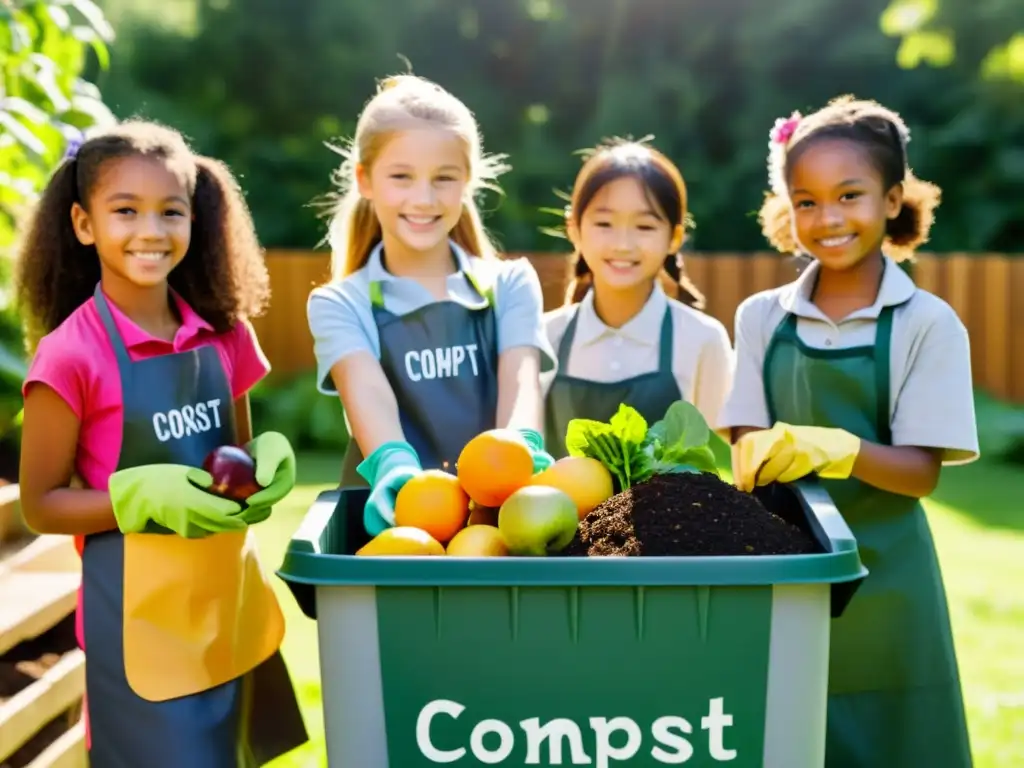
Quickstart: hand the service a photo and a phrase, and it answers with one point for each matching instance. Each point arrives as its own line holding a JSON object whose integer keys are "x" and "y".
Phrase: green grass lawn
{"x": 977, "y": 515}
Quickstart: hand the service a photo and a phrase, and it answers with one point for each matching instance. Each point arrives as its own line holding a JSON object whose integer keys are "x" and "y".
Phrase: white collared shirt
{"x": 341, "y": 319}
{"x": 701, "y": 353}
{"x": 931, "y": 400}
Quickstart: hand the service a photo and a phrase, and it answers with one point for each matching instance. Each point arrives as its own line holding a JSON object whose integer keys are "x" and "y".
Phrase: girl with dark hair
{"x": 855, "y": 374}
{"x": 138, "y": 273}
{"x": 619, "y": 337}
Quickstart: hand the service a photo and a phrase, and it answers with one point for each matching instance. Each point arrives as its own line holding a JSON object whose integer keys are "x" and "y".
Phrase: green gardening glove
{"x": 171, "y": 495}
{"x": 386, "y": 470}
{"x": 275, "y": 471}
{"x": 541, "y": 458}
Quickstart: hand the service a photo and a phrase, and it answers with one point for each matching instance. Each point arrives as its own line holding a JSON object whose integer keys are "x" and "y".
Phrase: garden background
{"x": 267, "y": 84}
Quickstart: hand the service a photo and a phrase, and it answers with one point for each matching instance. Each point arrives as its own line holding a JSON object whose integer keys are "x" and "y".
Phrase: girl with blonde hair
{"x": 424, "y": 333}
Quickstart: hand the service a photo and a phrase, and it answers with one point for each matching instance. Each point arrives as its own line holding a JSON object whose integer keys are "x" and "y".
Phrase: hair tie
{"x": 784, "y": 128}
{"x": 75, "y": 140}
{"x": 779, "y": 137}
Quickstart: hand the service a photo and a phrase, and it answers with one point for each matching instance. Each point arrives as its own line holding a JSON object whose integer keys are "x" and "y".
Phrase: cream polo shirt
{"x": 931, "y": 401}
{"x": 702, "y": 359}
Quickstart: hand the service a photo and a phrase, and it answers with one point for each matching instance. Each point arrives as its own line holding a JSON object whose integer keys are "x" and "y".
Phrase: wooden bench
{"x": 42, "y": 671}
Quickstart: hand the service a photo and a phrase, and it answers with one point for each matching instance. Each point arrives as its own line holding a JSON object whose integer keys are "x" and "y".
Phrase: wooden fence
{"x": 986, "y": 290}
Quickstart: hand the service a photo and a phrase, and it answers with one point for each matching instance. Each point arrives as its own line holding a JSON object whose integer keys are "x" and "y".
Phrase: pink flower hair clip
{"x": 784, "y": 128}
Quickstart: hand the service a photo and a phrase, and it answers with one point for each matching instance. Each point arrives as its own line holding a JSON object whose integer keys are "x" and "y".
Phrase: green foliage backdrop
{"x": 264, "y": 83}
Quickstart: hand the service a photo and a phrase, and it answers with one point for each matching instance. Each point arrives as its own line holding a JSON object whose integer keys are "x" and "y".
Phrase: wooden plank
{"x": 48, "y": 552}
{"x": 927, "y": 274}
{"x": 995, "y": 319}
{"x": 34, "y": 603}
{"x": 25, "y": 714}
{"x": 1015, "y": 331}
{"x": 68, "y": 751}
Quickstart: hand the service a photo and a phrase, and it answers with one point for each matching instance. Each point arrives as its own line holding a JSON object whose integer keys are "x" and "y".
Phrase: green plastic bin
{"x": 551, "y": 661}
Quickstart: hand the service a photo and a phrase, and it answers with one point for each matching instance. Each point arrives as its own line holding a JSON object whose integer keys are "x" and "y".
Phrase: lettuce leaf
{"x": 680, "y": 442}
{"x": 619, "y": 444}
{"x": 634, "y": 452}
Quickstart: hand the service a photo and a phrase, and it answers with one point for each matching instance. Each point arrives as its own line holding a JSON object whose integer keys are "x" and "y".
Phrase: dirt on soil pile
{"x": 686, "y": 514}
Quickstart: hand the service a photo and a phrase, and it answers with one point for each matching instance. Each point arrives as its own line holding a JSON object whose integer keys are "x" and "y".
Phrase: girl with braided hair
{"x": 631, "y": 330}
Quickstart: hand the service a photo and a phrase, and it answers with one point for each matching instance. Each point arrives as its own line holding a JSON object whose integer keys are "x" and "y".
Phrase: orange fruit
{"x": 584, "y": 480}
{"x": 477, "y": 541}
{"x": 401, "y": 541}
{"x": 494, "y": 465}
{"x": 434, "y": 502}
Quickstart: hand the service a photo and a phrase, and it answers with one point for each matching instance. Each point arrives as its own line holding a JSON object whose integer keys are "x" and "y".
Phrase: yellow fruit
{"x": 434, "y": 502}
{"x": 584, "y": 480}
{"x": 493, "y": 465}
{"x": 402, "y": 540}
{"x": 478, "y": 541}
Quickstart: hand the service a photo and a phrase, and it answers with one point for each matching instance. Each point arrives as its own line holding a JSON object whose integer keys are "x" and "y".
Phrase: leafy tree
{"x": 44, "y": 100}
{"x": 931, "y": 30}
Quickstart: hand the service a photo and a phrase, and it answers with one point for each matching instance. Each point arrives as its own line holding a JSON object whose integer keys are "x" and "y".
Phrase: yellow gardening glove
{"x": 786, "y": 453}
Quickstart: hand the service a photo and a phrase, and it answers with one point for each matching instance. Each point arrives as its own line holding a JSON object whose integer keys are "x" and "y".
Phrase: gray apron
{"x": 894, "y": 688}
{"x": 569, "y": 397}
{"x": 442, "y": 363}
{"x": 204, "y": 730}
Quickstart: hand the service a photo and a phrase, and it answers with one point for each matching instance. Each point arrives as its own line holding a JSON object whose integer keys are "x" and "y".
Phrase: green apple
{"x": 537, "y": 520}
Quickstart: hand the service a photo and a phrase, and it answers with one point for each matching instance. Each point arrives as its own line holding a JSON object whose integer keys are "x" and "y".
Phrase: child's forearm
{"x": 520, "y": 405}
{"x": 69, "y": 511}
{"x": 903, "y": 469}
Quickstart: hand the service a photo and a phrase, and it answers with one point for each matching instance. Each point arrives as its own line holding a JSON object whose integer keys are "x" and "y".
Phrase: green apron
{"x": 569, "y": 397}
{"x": 894, "y": 688}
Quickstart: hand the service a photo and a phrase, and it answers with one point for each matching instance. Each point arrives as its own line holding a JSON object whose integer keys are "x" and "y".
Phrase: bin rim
{"x": 305, "y": 563}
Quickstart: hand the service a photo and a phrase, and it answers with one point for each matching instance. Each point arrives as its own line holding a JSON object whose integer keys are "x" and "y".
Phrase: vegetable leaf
{"x": 618, "y": 444}
{"x": 633, "y": 452}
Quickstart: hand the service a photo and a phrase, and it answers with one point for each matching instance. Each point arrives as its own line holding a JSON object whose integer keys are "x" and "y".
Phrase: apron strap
{"x": 376, "y": 295}
{"x": 665, "y": 350}
{"x": 787, "y": 330}
{"x": 120, "y": 351}
{"x": 565, "y": 345}
{"x": 377, "y": 292}
{"x": 883, "y": 346}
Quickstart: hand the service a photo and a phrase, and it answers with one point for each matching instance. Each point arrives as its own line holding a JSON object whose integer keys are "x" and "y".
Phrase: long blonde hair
{"x": 401, "y": 102}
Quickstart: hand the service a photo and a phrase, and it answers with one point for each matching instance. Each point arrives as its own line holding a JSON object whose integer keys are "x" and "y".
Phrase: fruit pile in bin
{"x": 626, "y": 488}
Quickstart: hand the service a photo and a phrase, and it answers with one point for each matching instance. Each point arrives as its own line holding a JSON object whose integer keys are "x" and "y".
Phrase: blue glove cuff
{"x": 388, "y": 456}
{"x": 533, "y": 438}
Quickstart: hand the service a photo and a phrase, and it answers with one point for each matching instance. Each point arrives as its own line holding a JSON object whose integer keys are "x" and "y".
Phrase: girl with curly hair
{"x": 855, "y": 374}
{"x": 138, "y": 273}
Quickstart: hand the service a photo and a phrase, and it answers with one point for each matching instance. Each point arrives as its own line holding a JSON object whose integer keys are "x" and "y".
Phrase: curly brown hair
{"x": 223, "y": 276}
{"x": 884, "y": 136}
{"x": 663, "y": 184}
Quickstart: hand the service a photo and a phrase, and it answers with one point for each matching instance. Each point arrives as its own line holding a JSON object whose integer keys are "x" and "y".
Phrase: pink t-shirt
{"x": 77, "y": 361}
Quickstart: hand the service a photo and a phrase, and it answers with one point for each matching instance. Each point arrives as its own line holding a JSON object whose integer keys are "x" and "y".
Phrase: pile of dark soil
{"x": 686, "y": 514}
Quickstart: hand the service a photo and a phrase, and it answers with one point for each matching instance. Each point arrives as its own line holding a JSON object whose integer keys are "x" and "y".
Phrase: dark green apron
{"x": 570, "y": 398}
{"x": 894, "y": 688}
{"x": 442, "y": 363}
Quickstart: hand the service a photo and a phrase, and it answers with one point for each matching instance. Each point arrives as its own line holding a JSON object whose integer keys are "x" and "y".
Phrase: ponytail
{"x": 354, "y": 233}
{"x": 581, "y": 282}
{"x": 683, "y": 288}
